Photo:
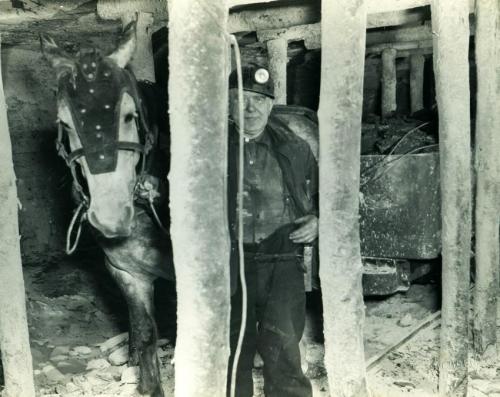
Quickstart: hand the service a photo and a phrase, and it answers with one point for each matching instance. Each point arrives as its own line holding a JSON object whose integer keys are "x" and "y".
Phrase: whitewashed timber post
{"x": 198, "y": 88}
{"x": 277, "y": 50}
{"x": 450, "y": 23}
{"x": 144, "y": 12}
{"x": 389, "y": 82}
{"x": 14, "y": 337}
{"x": 143, "y": 64}
{"x": 341, "y": 97}
{"x": 487, "y": 201}
{"x": 417, "y": 63}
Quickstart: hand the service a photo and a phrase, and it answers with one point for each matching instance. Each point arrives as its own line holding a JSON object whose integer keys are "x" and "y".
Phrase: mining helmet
{"x": 255, "y": 78}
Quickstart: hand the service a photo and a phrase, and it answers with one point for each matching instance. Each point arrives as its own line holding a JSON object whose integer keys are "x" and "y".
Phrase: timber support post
{"x": 450, "y": 22}
{"x": 487, "y": 181}
{"x": 341, "y": 97}
{"x": 143, "y": 64}
{"x": 14, "y": 337}
{"x": 389, "y": 82}
{"x": 277, "y": 50}
{"x": 198, "y": 91}
{"x": 417, "y": 63}
{"x": 146, "y": 13}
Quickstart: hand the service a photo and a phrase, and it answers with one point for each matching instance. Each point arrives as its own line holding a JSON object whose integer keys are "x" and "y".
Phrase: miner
{"x": 279, "y": 217}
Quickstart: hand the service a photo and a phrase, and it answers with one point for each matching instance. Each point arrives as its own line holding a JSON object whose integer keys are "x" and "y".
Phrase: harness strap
{"x": 120, "y": 145}
{"x": 143, "y": 148}
{"x": 61, "y": 150}
{"x": 70, "y": 248}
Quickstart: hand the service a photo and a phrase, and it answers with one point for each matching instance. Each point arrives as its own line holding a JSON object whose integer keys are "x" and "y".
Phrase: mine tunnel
{"x": 77, "y": 314}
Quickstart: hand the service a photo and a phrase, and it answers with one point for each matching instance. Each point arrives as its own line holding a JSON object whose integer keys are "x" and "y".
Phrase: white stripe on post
{"x": 198, "y": 89}
{"x": 14, "y": 337}
{"x": 487, "y": 180}
{"x": 277, "y": 50}
{"x": 143, "y": 63}
{"x": 450, "y": 22}
{"x": 389, "y": 82}
{"x": 341, "y": 97}
{"x": 417, "y": 63}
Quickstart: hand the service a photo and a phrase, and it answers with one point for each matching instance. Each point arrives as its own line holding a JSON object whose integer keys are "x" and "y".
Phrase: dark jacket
{"x": 300, "y": 175}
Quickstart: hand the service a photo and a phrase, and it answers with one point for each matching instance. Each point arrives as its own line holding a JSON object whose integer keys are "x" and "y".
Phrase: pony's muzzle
{"x": 116, "y": 226}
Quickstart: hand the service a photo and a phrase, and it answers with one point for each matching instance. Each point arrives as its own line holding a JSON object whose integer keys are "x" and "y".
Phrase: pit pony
{"x": 108, "y": 143}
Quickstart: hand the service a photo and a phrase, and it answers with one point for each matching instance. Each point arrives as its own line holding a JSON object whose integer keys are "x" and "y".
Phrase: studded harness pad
{"x": 94, "y": 92}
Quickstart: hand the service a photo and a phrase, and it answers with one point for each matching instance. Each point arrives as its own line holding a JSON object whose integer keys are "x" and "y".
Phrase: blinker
{"x": 101, "y": 85}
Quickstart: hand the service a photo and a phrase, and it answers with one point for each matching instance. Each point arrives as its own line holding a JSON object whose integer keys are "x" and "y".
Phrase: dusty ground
{"x": 73, "y": 310}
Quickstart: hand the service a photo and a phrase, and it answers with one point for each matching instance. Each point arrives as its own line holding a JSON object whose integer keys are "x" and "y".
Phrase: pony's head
{"x": 102, "y": 132}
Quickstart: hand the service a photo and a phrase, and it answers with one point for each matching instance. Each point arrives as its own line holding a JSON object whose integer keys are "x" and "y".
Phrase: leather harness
{"x": 93, "y": 91}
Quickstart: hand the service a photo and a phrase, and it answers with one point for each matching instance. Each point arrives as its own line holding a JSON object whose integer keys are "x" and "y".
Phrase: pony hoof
{"x": 157, "y": 392}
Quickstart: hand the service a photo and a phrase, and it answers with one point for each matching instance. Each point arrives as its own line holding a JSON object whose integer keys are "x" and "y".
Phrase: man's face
{"x": 257, "y": 108}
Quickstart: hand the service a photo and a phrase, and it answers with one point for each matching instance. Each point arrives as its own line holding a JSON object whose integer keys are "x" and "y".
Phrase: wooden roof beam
{"x": 380, "y": 13}
{"x": 372, "y": 6}
{"x": 402, "y": 39}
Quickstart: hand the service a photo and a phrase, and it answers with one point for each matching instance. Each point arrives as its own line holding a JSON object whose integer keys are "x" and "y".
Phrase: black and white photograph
{"x": 249, "y": 198}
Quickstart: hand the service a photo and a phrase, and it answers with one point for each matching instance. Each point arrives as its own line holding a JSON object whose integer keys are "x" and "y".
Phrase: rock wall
{"x": 42, "y": 180}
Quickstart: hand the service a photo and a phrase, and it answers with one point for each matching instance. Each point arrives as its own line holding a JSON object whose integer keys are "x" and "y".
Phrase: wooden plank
{"x": 288, "y": 17}
{"x": 419, "y": 37}
{"x": 487, "y": 181}
{"x": 450, "y": 22}
{"x": 14, "y": 337}
{"x": 372, "y": 6}
{"x": 341, "y": 97}
{"x": 417, "y": 64}
{"x": 403, "y": 46}
{"x": 417, "y": 33}
{"x": 396, "y": 18}
{"x": 404, "y": 38}
{"x": 376, "y": 6}
{"x": 418, "y": 51}
{"x": 143, "y": 63}
{"x": 389, "y": 80}
{"x": 238, "y": 3}
{"x": 278, "y": 59}
{"x": 413, "y": 331}
{"x": 117, "y": 9}
{"x": 274, "y": 18}
{"x": 294, "y": 33}
{"x": 302, "y": 32}
{"x": 198, "y": 91}
{"x": 389, "y": 13}
{"x": 36, "y": 11}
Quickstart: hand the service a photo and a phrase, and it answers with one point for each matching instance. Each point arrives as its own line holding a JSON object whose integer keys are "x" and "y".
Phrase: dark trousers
{"x": 275, "y": 323}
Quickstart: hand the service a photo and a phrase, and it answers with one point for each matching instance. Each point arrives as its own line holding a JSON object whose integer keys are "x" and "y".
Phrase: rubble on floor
{"x": 89, "y": 371}
{"x": 75, "y": 332}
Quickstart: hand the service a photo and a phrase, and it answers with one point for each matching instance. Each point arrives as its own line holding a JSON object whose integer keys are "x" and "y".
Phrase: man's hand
{"x": 306, "y": 233}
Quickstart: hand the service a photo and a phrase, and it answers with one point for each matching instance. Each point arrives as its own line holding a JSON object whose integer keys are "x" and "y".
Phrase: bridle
{"x": 96, "y": 77}
{"x": 70, "y": 157}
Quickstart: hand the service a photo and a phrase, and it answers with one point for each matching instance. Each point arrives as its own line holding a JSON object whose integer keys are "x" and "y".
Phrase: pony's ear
{"x": 57, "y": 57}
{"x": 126, "y": 47}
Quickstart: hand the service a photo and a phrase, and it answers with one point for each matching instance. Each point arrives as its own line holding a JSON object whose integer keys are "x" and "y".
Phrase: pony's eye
{"x": 65, "y": 126}
{"x": 129, "y": 117}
